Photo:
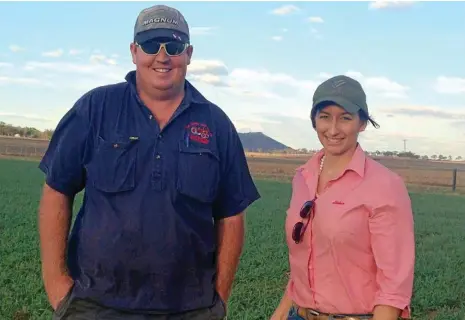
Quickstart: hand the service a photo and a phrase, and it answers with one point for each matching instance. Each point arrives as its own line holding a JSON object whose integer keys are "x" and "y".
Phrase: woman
{"x": 349, "y": 226}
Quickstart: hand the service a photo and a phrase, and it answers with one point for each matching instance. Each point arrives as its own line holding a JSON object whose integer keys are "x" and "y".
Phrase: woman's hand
{"x": 279, "y": 315}
{"x": 282, "y": 310}
{"x": 382, "y": 312}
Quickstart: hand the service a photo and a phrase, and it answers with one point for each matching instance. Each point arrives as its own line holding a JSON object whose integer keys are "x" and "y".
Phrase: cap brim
{"x": 161, "y": 33}
{"x": 345, "y": 104}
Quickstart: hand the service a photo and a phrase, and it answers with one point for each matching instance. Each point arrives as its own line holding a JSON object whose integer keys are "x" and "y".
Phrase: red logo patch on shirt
{"x": 198, "y": 132}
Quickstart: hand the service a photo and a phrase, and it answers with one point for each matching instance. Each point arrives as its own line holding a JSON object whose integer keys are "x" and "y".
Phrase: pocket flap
{"x": 197, "y": 151}
{"x": 118, "y": 143}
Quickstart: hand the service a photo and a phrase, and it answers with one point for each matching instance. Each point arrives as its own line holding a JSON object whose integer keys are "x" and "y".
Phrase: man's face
{"x": 161, "y": 71}
{"x": 337, "y": 129}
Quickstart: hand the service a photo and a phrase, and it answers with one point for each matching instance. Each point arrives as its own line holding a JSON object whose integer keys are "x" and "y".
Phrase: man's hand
{"x": 57, "y": 289}
{"x": 54, "y": 222}
{"x": 230, "y": 235}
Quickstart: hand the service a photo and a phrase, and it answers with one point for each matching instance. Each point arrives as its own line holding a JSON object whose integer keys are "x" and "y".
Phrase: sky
{"x": 260, "y": 62}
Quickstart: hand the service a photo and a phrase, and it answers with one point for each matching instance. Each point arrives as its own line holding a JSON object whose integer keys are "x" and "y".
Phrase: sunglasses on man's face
{"x": 172, "y": 48}
{"x": 299, "y": 228}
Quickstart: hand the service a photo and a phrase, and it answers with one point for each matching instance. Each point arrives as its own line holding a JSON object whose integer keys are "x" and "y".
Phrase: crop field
{"x": 439, "y": 222}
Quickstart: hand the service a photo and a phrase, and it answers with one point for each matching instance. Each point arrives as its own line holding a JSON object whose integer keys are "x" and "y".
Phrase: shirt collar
{"x": 356, "y": 164}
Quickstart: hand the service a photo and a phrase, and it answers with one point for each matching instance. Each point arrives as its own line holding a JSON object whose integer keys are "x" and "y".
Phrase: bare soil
{"x": 424, "y": 173}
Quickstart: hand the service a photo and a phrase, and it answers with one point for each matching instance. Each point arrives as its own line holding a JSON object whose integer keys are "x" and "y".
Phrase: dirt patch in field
{"x": 282, "y": 167}
{"x": 425, "y": 173}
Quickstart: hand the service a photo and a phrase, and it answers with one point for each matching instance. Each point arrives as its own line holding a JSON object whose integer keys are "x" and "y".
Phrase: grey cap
{"x": 161, "y": 21}
{"x": 343, "y": 91}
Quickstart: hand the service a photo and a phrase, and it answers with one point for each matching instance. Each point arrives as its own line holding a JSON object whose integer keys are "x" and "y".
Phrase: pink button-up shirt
{"x": 359, "y": 249}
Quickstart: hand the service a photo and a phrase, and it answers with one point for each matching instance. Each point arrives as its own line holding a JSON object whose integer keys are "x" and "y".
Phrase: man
{"x": 166, "y": 182}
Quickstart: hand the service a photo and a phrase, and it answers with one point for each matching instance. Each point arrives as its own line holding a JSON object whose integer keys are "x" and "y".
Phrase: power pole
{"x": 405, "y": 145}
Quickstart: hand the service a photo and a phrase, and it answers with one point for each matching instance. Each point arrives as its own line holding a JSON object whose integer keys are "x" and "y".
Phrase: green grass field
{"x": 440, "y": 235}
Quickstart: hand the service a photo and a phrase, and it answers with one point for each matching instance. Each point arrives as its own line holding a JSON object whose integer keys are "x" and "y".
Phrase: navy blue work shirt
{"x": 144, "y": 238}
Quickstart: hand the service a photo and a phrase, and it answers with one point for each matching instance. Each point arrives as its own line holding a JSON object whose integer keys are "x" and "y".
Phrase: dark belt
{"x": 311, "y": 314}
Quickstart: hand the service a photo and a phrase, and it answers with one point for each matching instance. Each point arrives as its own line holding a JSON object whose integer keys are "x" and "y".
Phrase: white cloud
{"x": 426, "y": 111}
{"x": 380, "y": 85}
{"x": 243, "y": 82}
{"x": 253, "y": 123}
{"x": 208, "y": 78}
{"x": 276, "y": 103}
{"x": 387, "y": 87}
{"x": 25, "y": 116}
{"x": 316, "y": 19}
{"x": 53, "y": 54}
{"x": 74, "y": 52}
{"x": 254, "y": 94}
{"x": 15, "y": 48}
{"x": 6, "y": 65}
{"x": 84, "y": 75}
{"x": 277, "y": 38}
{"x": 62, "y": 67}
{"x": 201, "y": 31}
{"x": 102, "y": 59}
{"x": 285, "y": 10}
{"x": 27, "y": 81}
{"x": 390, "y": 4}
{"x": 207, "y": 66}
{"x": 450, "y": 85}
{"x": 100, "y": 70}
{"x": 297, "y": 132}
{"x": 269, "y": 77}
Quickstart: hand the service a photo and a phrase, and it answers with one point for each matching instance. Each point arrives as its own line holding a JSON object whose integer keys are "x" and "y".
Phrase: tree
{"x": 26, "y": 132}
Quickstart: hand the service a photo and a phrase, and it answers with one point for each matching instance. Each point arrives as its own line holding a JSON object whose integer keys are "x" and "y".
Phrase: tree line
{"x": 377, "y": 153}
{"x": 31, "y": 132}
{"x": 23, "y": 132}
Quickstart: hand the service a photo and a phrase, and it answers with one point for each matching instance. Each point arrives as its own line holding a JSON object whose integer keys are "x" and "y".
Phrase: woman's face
{"x": 337, "y": 129}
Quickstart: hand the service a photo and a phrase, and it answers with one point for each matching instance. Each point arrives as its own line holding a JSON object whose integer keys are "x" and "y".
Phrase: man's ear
{"x": 133, "y": 49}
{"x": 189, "y": 51}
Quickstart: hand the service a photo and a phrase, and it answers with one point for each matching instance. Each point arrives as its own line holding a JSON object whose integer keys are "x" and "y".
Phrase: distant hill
{"x": 259, "y": 142}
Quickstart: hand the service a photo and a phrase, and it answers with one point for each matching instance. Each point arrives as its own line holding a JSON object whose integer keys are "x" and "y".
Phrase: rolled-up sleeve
{"x": 63, "y": 160}
{"x": 237, "y": 189}
{"x": 393, "y": 243}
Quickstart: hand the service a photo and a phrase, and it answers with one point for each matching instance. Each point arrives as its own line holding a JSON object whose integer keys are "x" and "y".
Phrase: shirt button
{"x": 158, "y": 156}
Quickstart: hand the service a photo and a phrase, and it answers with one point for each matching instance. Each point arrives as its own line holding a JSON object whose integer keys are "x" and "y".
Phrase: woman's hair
{"x": 364, "y": 117}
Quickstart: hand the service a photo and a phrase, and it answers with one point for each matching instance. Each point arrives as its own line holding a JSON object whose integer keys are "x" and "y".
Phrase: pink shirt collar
{"x": 356, "y": 164}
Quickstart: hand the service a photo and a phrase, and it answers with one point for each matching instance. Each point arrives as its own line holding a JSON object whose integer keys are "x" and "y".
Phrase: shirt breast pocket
{"x": 198, "y": 173}
{"x": 113, "y": 166}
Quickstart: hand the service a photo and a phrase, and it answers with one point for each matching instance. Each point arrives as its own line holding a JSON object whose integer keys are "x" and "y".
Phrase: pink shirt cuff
{"x": 396, "y": 302}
